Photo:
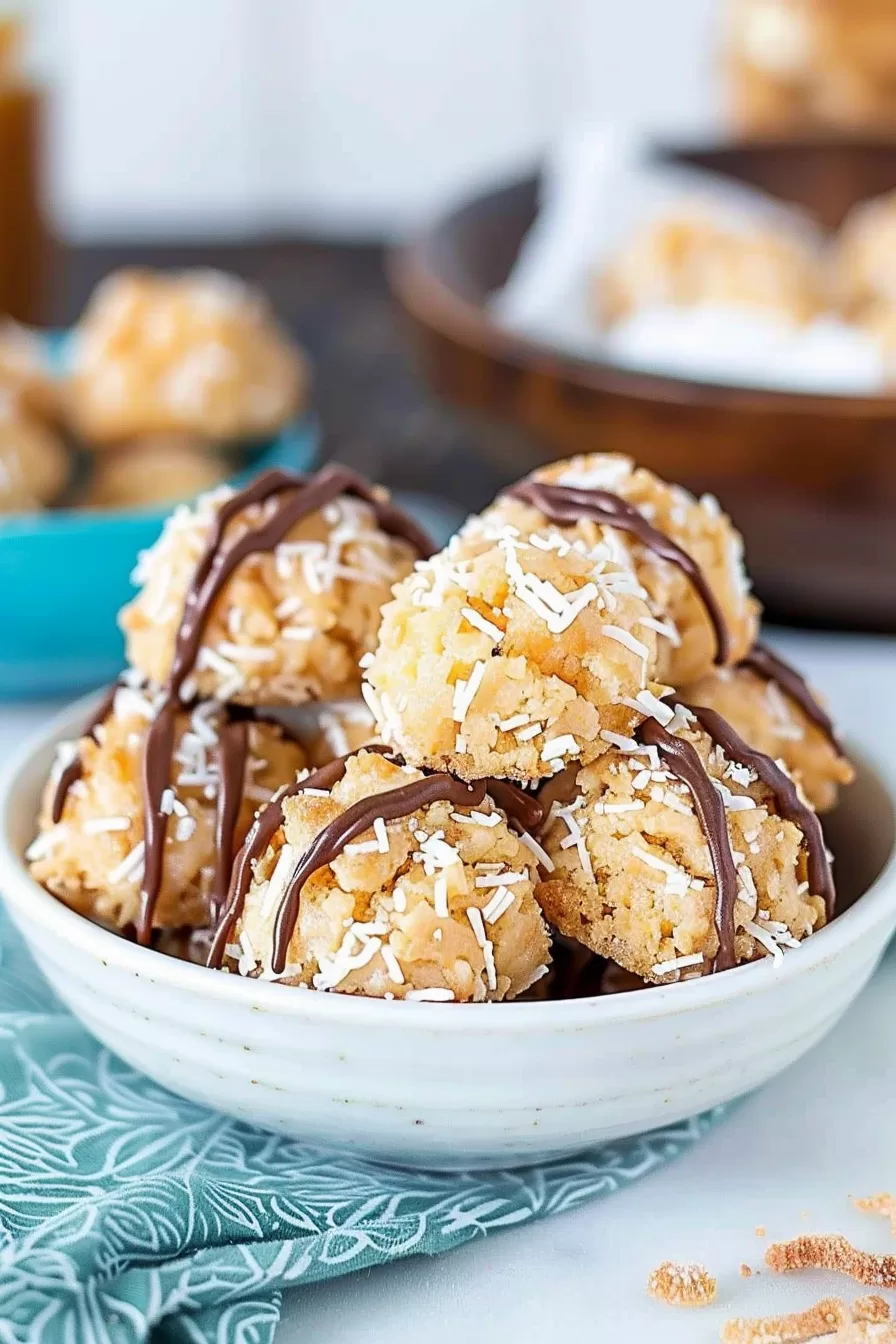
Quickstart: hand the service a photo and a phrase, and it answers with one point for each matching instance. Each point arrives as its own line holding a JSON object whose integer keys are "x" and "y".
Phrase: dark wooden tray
{"x": 811, "y": 480}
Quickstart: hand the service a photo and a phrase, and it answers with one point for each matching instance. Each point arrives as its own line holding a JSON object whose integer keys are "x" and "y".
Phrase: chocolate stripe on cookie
{"x": 295, "y": 496}
{"x": 684, "y": 762}
{"x": 330, "y": 842}
{"x": 75, "y": 767}
{"x": 765, "y": 663}
{"x": 789, "y": 803}
{"x": 567, "y": 504}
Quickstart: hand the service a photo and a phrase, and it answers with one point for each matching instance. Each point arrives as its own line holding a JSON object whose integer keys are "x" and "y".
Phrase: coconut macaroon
{"x": 35, "y": 464}
{"x": 689, "y": 258}
{"x": 157, "y": 469}
{"x": 864, "y": 276}
{"x": 634, "y": 877}
{"x": 290, "y": 623}
{"x": 197, "y": 352}
{"x": 25, "y": 370}
{"x": 774, "y": 723}
{"x": 434, "y": 905}
{"x": 91, "y": 857}
{"x": 509, "y": 654}
{"x": 687, "y": 643}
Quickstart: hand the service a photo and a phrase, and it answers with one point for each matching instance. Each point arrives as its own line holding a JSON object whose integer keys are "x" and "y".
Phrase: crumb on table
{"x": 831, "y": 1319}
{"x": 682, "y": 1285}
{"x": 746, "y": 1272}
{"x": 834, "y": 1253}
{"x": 826, "y": 1317}
{"x": 873, "y": 1309}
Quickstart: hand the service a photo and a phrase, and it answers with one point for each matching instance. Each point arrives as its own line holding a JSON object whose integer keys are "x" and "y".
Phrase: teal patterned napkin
{"x": 128, "y": 1215}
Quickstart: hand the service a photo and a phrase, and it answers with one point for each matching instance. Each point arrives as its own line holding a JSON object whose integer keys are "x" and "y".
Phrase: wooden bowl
{"x": 811, "y": 480}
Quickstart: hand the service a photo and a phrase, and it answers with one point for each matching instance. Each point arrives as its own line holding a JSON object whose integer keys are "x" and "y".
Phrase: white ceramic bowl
{"x": 447, "y": 1085}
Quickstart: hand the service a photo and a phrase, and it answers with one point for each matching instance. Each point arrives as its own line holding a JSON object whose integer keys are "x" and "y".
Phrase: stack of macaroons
{"x": 568, "y": 730}
{"x": 558, "y": 641}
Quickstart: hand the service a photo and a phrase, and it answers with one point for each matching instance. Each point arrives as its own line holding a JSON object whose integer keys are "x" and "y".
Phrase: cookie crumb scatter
{"x": 867, "y": 1321}
{"x": 681, "y": 1285}
{"x": 826, "y": 1318}
{"x": 746, "y": 1272}
{"x": 834, "y": 1253}
{"x": 760, "y": 1231}
{"x": 873, "y": 1309}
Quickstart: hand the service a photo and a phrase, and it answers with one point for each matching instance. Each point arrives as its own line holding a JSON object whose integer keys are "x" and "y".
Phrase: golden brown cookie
{"x": 797, "y": 66}
{"x": 772, "y": 722}
{"x": 687, "y": 642}
{"x": 864, "y": 273}
{"x": 687, "y": 259}
{"x": 510, "y": 653}
{"x": 34, "y": 462}
{"x": 92, "y": 856}
{"x": 158, "y": 469}
{"x": 25, "y": 371}
{"x": 196, "y": 352}
{"x": 292, "y": 620}
{"x": 436, "y": 905}
{"x": 634, "y": 876}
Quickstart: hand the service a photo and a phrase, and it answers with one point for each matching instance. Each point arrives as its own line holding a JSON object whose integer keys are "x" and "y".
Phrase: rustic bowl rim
{"x": 420, "y": 284}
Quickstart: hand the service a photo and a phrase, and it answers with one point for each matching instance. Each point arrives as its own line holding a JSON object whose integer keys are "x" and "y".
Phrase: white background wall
{"x": 346, "y": 116}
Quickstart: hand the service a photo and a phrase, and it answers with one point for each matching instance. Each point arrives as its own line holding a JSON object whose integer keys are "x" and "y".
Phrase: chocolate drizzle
{"x": 684, "y": 762}
{"x": 567, "y": 504}
{"x": 330, "y": 842}
{"x": 790, "y": 805}
{"x": 262, "y": 831}
{"x": 75, "y": 768}
{"x": 158, "y": 751}
{"x": 232, "y": 753}
{"x": 295, "y": 496}
{"x": 767, "y": 664}
{"x": 523, "y": 810}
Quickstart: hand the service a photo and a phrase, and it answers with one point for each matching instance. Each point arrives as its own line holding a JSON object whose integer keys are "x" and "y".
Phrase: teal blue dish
{"x": 65, "y": 574}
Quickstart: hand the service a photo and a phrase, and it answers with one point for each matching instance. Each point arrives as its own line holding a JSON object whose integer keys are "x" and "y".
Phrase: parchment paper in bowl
{"x": 598, "y": 186}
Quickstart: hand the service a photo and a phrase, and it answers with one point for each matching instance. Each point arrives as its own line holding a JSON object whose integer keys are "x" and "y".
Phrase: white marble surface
{"x": 789, "y": 1158}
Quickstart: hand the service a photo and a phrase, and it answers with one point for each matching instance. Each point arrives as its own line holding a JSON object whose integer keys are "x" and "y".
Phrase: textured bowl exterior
{"x": 442, "y": 1085}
